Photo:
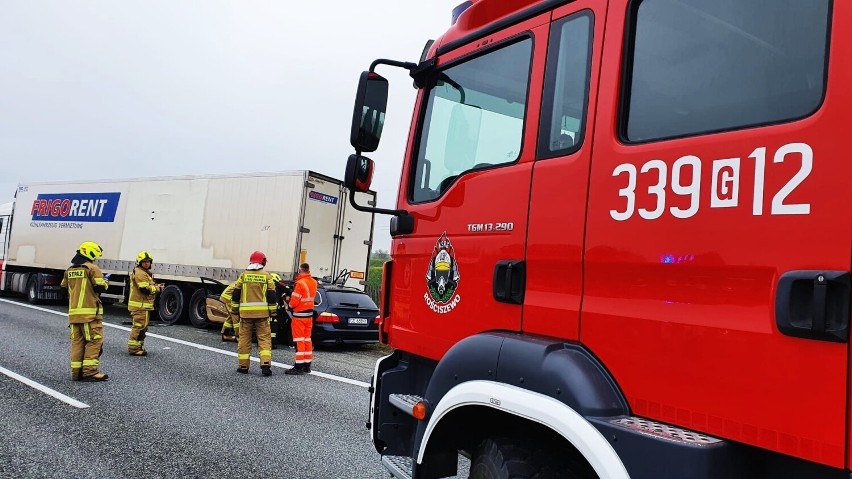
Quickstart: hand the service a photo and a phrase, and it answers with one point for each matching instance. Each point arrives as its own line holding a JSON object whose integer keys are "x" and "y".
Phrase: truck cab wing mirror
{"x": 368, "y": 116}
{"x": 359, "y": 176}
{"x": 368, "y": 119}
{"x": 359, "y": 173}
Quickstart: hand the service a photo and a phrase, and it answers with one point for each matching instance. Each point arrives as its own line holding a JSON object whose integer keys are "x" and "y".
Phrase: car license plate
{"x": 357, "y": 320}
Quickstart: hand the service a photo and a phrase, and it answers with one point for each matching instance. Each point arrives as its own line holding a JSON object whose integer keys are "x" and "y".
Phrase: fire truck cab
{"x": 622, "y": 243}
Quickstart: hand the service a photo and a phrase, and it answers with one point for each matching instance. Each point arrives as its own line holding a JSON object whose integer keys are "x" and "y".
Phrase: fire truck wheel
{"x": 172, "y": 304}
{"x": 503, "y": 458}
{"x": 198, "y": 309}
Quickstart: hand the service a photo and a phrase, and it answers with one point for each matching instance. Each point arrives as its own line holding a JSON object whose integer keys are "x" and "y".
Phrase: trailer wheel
{"x": 503, "y": 458}
{"x": 172, "y": 304}
{"x": 198, "y": 309}
{"x": 32, "y": 290}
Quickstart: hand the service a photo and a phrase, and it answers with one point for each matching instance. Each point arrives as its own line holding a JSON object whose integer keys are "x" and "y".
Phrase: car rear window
{"x": 349, "y": 300}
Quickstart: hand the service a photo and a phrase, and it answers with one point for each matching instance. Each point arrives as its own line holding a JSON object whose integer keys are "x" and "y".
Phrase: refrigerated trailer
{"x": 194, "y": 226}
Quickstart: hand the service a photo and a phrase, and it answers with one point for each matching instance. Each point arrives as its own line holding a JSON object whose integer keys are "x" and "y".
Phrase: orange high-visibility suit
{"x": 254, "y": 301}
{"x": 302, "y": 303}
{"x": 85, "y": 316}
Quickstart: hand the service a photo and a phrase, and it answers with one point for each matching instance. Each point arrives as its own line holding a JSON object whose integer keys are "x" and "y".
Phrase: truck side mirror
{"x": 359, "y": 173}
{"x": 368, "y": 117}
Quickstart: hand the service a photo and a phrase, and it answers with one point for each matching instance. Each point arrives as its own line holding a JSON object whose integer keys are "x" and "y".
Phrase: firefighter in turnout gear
{"x": 143, "y": 290}
{"x": 84, "y": 280}
{"x": 302, "y": 304}
{"x": 231, "y": 326}
{"x": 254, "y": 300}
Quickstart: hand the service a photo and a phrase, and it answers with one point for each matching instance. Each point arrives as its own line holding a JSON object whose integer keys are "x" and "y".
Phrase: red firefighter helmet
{"x": 258, "y": 257}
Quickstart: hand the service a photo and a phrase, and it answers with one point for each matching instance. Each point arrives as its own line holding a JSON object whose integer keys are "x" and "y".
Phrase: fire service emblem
{"x": 442, "y": 277}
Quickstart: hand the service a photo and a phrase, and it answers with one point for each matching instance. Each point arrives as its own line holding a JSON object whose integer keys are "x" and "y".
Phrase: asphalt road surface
{"x": 182, "y": 411}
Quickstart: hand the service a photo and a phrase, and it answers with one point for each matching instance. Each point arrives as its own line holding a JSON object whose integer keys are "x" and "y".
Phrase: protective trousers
{"x": 137, "y": 331}
{"x": 259, "y": 326}
{"x": 273, "y": 327}
{"x": 86, "y": 345}
{"x": 231, "y": 328}
{"x": 302, "y": 337}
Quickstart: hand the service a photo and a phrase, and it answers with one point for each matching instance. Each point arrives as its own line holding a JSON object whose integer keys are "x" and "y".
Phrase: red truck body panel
{"x": 675, "y": 292}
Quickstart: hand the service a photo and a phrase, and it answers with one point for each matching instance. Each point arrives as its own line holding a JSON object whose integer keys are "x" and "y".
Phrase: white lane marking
{"x": 44, "y": 389}
{"x": 199, "y": 346}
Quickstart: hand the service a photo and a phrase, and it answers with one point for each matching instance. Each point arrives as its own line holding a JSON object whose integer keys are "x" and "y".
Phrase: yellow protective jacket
{"x": 84, "y": 281}
{"x": 302, "y": 299}
{"x": 226, "y": 295}
{"x": 143, "y": 290}
{"x": 254, "y": 295}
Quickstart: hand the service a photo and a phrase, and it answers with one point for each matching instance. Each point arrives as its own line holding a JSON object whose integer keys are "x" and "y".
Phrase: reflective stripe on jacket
{"x": 254, "y": 295}
{"x": 304, "y": 293}
{"x": 143, "y": 290}
{"x": 83, "y": 283}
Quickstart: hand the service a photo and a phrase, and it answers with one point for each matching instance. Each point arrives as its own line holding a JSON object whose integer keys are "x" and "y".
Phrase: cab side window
{"x": 566, "y": 88}
{"x": 474, "y": 118}
{"x": 697, "y": 66}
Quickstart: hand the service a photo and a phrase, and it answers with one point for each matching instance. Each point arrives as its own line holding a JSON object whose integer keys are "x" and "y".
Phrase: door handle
{"x": 509, "y": 281}
{"x": 814, "y": 304}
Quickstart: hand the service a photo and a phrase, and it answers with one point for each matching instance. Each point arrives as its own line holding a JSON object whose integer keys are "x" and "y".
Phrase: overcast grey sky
{"x": 110, "y": 89}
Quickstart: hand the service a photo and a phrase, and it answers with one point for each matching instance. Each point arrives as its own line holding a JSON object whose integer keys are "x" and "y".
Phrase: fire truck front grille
{"x": 664, "y": 431}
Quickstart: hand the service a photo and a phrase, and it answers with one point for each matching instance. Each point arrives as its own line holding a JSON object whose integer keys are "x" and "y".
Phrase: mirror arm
{"x": 383, "y": 61}
{"x": 417, "y": 71}
{"x": 370, "y": 209}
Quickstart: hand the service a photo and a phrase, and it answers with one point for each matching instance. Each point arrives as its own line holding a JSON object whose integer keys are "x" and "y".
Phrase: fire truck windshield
{"x": 474, "y": 118}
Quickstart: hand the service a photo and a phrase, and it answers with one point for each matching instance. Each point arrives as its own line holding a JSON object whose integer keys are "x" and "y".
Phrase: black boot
{"x": 306, "y": 367}
{"x": 242, "y": 370}
{"x": 295, "y": 371}
{"x": 266, "y": 370}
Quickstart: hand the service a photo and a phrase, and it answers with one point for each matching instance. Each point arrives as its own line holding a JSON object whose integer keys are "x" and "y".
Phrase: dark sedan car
{"x": 344, "y": 315}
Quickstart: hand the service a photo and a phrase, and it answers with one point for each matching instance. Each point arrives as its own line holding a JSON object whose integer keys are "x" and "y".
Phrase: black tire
{"x": 504, "y": 458}
{"x": 198, "y": 309}
{"x": 32, "y": 290}
{"x": 172, "y": 305}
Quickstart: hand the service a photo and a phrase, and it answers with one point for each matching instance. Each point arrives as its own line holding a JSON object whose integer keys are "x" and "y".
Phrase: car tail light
{"x": 378, "y": 319}
{"x": 327, "y": 317}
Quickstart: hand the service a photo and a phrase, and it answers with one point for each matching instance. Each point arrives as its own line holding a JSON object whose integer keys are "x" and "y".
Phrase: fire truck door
{"x": 468, "y": 186}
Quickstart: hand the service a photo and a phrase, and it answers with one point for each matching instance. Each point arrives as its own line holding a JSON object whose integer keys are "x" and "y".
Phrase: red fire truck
{"x": 622, "y": 243}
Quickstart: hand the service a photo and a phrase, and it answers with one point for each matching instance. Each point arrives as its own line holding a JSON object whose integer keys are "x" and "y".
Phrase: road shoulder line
{"x": 332, "y": 377}
{"x": 41, "y": 387}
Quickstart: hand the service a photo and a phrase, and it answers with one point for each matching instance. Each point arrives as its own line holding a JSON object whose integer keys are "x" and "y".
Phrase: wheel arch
{"x": 548, "y": 382}
{"x": 506, "y": 409}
